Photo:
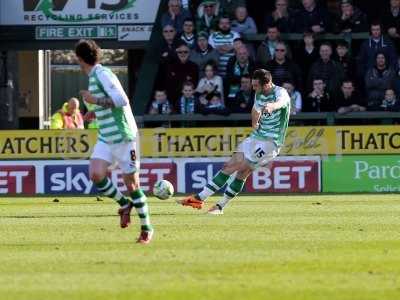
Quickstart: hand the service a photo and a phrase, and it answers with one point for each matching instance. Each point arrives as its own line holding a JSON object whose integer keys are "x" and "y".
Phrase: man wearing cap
{"x": 351, "y": 19}
{"x": 208, "y": 14}
{"x": 203, "y": 53}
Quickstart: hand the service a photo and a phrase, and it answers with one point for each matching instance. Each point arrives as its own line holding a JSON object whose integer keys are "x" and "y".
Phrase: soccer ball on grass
{"x": 163, "y": 189}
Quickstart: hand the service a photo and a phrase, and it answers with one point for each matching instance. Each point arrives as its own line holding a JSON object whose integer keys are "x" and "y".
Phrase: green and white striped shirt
{"x": 117, "y": 124}
{"x": 218, "y": 39}
{"x": 272, "y": 126}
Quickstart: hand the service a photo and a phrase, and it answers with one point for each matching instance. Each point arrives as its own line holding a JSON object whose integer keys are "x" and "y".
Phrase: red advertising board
{"x": 15, "y": 180}
{"x": 290, "y": 176}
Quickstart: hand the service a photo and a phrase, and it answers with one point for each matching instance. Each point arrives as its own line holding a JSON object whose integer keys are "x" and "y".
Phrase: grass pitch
{"x": 275, "y": 247}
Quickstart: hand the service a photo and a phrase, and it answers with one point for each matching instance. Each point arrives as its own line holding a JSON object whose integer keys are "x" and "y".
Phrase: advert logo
{"x": 17, "y": 180}
{"x": 53, "y": 9}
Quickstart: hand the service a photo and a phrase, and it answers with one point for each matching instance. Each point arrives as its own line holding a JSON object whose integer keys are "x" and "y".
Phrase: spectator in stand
{"x": 343, "y": 57}
{"x": 160, "y": 105}
{"x": 238, "y": 66}
{"x": 222, "y": 41}
{"x": 212, "y": 104}
{"x": 283, "y": 69}
{"x": 369, "y": 48}
{"x": 351, "y": 18}
{"x": 229, "y": 7}
{"x": 243, "y": 23}
{"x": 169, "y": 44}
{"x": 178, "y": 72}
{"x": 266, "y": 50}
{"x": 203, "y": 53}
{"x": 348, "y": 100}
{"x": 188, "y": 36}
{"x": 296, "y": 101}
{"x": 282, "y": 17}
{"x": 208, "y": 14}
{"x": 391, "y": 20}
{"x": 239, "y": 42}
{"x": 68, "y": 117}
{"x": 175, "y": 15}
{"x": 378, "y": 79}
{"x": 330, "y": 71}
{"x": 244, "y": 98}
{"x": 390, "y": 102}
{"x": 211, "y": 82}
{"x": 311, "y": 17}
{"x": 188, "y": 101}
{"x": 306, "y": 55}
{"x": 318, "y": 100}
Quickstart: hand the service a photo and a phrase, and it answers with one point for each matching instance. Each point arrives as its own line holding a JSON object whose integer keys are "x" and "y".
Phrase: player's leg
{"x": 232, "y": 190}
{"x": 255, "y": 154}
{"x": 216, "y": 183}
{"x": 128, "y": 159}
{"x": 100, "y": 160}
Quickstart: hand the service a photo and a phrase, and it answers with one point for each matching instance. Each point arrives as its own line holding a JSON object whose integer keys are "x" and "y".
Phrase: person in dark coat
{"x": 178, "y": 72}
{"x": 369, "y": 48}
{"x": 326, "y": 68}
{"x": 348, "y": 100}
{"x": 311, "y": 17}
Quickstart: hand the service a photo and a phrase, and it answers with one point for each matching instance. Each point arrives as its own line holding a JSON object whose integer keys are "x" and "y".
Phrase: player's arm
{"x": 283, "y": 100}
{"x": 112, "y": 87}
{"x": 255, "y": 115}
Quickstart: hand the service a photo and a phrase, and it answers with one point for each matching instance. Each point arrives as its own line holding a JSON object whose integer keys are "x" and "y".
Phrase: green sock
{"x": 213, "y": 186}
{"x": 231, "y": 192}
{"x": 142, "y": 209}
{"x": 107, "y": 188}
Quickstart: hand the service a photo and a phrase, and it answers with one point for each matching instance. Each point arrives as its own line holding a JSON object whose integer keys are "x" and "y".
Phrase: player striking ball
{"x": 118, "y": 138}
{"x": 270, "y": 118}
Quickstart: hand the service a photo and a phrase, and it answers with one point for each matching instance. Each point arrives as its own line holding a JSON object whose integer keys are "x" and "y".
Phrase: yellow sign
{"x": 186, "y": 142}
{"x": 46, "y": 144}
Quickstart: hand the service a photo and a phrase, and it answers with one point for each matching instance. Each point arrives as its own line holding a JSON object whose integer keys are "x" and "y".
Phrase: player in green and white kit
{"x": 270, "y": 118}
{"x": 118, "y": 137}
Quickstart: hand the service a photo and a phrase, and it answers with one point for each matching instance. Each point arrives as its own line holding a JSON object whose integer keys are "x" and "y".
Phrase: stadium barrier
{"x": 313, "y": 159}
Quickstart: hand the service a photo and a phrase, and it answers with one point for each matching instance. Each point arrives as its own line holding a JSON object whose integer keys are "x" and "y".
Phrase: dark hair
{"x": 88, "y": 51}
{"x": 319, "y": 78}
{"x": 160, "y": 90}
{"x": 342, "y": 43}
{"x": 188, "y": 20}
{"x": 347, "y": 80}
{"x": 188, "y": 83}
{"x": 325, "y": 43}
{"x": 212, "y": 64}
{"x": 263, "y": 76}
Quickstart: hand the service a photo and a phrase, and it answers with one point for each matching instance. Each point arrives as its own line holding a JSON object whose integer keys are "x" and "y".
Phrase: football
{"x": 163, "y": 189}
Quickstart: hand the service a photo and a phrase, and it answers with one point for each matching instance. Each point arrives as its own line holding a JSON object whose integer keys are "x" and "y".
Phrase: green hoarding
{"x": 362, "y": 173}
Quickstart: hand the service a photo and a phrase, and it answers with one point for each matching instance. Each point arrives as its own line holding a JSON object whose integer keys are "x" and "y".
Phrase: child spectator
{"x": 211, "y": 82}
{"x": 318, "y": 100}
{"x": 212, "y": 104}
{"x": 188, "y": 101}
{"x": 307, "y": 54}
{"x": 296, "y": 102}
{"x": 390, "y": 102}
{"x": 243, "y": 23}
{"x": 344, "y": 58}
{"x": 160, "y": 104}
{"x": 187, "y": 35}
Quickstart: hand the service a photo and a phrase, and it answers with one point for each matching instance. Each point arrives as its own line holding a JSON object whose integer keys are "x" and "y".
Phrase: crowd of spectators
{"x": 206, "y": 60}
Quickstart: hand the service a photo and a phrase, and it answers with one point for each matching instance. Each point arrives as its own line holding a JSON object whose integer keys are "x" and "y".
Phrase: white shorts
{"x": 258, "y": 153}
{"x": 126, "y": 155}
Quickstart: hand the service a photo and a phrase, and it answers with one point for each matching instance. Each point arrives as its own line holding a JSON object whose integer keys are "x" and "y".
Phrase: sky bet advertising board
{"x": 188, "y": 175}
